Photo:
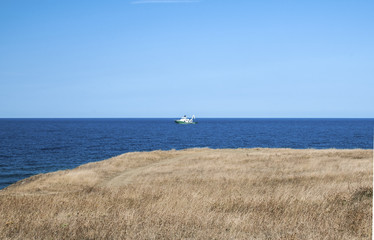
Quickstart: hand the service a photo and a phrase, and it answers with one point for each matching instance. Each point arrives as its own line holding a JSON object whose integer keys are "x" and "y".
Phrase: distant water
{"x": 32, "y": 146}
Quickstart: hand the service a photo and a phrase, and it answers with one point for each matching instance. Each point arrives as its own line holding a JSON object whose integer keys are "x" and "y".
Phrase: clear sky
{"x": 211, "y": 58}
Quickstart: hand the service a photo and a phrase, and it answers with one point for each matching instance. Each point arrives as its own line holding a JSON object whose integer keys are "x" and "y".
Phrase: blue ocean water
{"x": 32, "y": 146}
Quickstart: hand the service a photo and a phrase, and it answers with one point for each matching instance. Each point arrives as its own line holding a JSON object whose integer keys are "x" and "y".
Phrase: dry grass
{"x": 198, "y": 194}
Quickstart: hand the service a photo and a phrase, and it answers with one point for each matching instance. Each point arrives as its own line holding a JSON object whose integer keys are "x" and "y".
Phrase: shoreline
{"x": 27, "y": 179}
{"x": 33, "y": 177}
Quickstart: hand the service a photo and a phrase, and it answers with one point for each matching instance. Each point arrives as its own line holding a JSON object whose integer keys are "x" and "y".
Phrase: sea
{"x": 33, "y": 146}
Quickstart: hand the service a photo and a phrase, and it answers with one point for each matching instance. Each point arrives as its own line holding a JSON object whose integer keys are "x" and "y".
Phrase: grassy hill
{"x": 198, "y": 194}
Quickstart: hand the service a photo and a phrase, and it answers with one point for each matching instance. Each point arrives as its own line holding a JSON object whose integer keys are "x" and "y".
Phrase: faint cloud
{"x": 164, "y": 1}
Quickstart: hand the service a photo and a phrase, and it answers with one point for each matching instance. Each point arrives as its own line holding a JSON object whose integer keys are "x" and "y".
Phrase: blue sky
{"x": 211, "y": 58}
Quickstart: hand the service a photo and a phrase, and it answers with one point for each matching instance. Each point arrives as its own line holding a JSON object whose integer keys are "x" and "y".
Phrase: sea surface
{"x": 32, "y": 146}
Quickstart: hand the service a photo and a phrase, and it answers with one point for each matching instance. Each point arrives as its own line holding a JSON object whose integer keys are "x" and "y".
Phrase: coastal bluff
{"x": 198, "y": 193}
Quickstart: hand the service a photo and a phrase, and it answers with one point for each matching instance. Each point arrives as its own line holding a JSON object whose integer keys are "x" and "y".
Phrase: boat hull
{"x": 181, "y": 122}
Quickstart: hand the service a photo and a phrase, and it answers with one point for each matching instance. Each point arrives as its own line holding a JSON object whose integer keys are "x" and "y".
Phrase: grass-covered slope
{"x": 198, "y": 194}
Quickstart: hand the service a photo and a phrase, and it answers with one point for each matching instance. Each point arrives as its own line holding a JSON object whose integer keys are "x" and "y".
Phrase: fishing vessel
{"x": 185, "y": 120}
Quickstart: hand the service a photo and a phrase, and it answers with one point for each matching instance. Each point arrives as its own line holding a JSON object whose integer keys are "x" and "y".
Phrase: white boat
{"x": 185, "y": 120}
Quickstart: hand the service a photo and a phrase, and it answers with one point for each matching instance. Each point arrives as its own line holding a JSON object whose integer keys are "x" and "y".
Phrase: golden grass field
{"x": 198, "y": 194}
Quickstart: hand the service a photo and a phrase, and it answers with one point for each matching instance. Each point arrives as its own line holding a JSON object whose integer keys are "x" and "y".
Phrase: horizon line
{"x": 177, "y": 117}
